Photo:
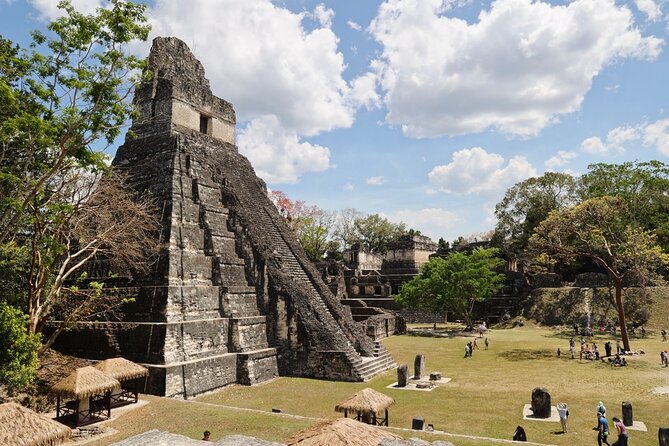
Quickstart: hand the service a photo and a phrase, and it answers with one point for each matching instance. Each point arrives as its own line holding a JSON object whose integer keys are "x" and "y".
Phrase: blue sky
{"x": 425, "y": 111}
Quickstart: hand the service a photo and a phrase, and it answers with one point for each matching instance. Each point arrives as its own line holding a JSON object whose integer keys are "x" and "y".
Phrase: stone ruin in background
{"x": 233, "y": 298}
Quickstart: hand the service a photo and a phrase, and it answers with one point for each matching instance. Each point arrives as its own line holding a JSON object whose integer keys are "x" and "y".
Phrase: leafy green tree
{"x": 18, "y": 349}
{"x": 527, "y": 204}
{"x": 454, "y": 283}
{"x": 643, "y": 186}
{"x": 375, "y": 232}
{"x": 602, "y": 230}
{"x": 314, "y": 232}
{"x": 61, "y": 101}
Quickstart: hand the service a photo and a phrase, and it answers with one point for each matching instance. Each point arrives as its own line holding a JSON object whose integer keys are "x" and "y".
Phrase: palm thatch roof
{"x": 366, "y": 401}
{"x": 23, "y": 427}
{"x": 340, "y": 432}
{"x": 121, "y": 369}
{"x": 85, "y": 382}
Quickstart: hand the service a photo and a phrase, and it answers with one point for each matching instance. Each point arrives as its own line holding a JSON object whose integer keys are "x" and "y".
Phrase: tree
{"x": 375, "y": 232}
{"x": 454, "y": 283}
{"x": 643, "y": 186}
{"x": 60, "y": 102}
{"x": 527, "y": 204}
{"x": 313, "y": 226}
{"x": 18, "y": 349}
{"x": 314, "y": 231}
{"x": 344, "y": 231}
{"x": 602, "y": 230}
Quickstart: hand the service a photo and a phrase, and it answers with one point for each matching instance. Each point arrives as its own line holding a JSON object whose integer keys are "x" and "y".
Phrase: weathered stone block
{"x": 419, "y": 367}
{"x": 402, "y": 375}
{"x": 541, "y": 402}
{"x": 663, "y": 436}
{"x": 628, "y": 417}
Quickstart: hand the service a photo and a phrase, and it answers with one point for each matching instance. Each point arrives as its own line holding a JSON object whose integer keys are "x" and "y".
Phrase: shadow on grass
{"x": 524, "y": 355}
{"x": 438, "y": 333}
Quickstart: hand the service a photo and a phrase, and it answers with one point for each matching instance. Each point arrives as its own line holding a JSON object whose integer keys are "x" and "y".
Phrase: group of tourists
{"x": 603, "y": 428}
{"x": 474, "y": 344}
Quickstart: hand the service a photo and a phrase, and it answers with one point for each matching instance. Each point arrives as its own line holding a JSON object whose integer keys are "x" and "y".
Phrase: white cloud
{"x": 618, "y": 137}
{"x": 376, "y": 181}
{"x": 353, "y": 25}
{"x": 657, "y": 135}
{"x": 278, "y": 155}
{"x": 48, "y": 9}
{"x": 559, "y": 159}
{"x": 348, "y": 187}
{"x": 650, "y": 8}
{"x": 517, "y": 68}
{"x": 594, "y": 146}
{"x": 323, "y": 15}
{"x": 363, "y": 92}
{"x": 616, "y": 140}
{"x": 270, "y": 62}
{"x": 433, "y": 222}
{"x": 477, "y": 171}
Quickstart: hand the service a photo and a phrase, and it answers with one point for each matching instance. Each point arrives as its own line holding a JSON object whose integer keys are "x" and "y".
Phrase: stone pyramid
{"x": 232, "y": 298}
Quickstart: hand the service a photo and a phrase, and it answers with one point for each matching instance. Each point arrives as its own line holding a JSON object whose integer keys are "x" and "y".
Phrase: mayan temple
{"x": 232, "y": 298}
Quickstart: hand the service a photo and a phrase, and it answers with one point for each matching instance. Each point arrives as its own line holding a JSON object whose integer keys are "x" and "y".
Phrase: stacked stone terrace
{"x": 233, "y": 297}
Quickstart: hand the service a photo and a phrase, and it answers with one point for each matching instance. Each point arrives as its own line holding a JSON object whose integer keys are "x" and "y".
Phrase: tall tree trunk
{"x": 617, "y": 282}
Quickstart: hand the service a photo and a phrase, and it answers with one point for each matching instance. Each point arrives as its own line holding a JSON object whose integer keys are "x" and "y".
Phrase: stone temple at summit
{"x": 232, "y": 297}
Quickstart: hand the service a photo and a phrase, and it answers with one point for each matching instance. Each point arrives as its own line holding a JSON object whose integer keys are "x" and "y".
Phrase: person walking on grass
{"x": 487, "y": 343}
{"x": 602, "y": 430}
{"x": 623, "y": 436}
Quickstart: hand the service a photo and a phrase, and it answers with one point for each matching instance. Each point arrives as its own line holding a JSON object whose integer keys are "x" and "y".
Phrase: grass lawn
{"x": 485, "y": 397}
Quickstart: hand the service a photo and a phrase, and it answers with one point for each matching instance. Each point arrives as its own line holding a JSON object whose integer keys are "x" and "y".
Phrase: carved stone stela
{"x": 233, "y": 297}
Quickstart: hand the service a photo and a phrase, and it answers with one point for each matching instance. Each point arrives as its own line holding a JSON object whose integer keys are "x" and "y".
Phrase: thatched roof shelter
{"x": 121, "y": 369}
{"x": 85, "y": 382}
{"x": 340, "y": 432}
{"x": 366, "y": 401}
{"x": 23, "y": 427}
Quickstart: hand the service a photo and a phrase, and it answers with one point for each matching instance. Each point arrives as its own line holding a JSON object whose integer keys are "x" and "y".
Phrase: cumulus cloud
{"x": 48, "y": 9}
{"x": 517, "y": 68}
{"x": 376, "y": 181}
{"x": 278, "y": 155}
{"x": 657, "y": 135}
{"x": 650, "y": 8}
{"x": 354, "y": 25}
{"x": 559, "y": 160}
{"x": 270, "y": 62}
{"x": 477, "y": 171}
{"x": 616, "y": 140}
{"x": 433, "y": 222}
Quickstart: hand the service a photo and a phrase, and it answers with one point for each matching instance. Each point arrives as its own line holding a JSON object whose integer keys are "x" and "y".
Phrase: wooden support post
{"x": 76, "y": 415}
{"x": 386, "y": 417}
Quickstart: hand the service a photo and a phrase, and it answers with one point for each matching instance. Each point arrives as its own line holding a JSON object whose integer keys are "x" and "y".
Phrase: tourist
{"x": 476, "y": 344}
{"x": 558, "y": 352}
{"x": 661, "y": 357}
{"x": 206, "y": 436}
{"x": 563, "y": 411}
{"x": 571, "y": 350}
{"x": 607, "y": 347}
{"x": 601, "y": 410}
{"x": 486, "y": 343}
{"x": 602, "y": 430}
{"x": 622, "y": 432}
{"x": 619, "y": 349}
{"x": 664, "y": 334}
{"x": 666, "y": 359}
{"x": 596, "y": 352}
{"x": 643, "y": 332}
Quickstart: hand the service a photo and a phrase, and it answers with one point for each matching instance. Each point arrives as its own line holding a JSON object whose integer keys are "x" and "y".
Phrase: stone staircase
{"x": 368, "y": 367}
{"x": 364, "y": 367}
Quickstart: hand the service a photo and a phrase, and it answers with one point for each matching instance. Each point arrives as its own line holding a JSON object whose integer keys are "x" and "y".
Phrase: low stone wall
{"x": 571, "y": 305}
